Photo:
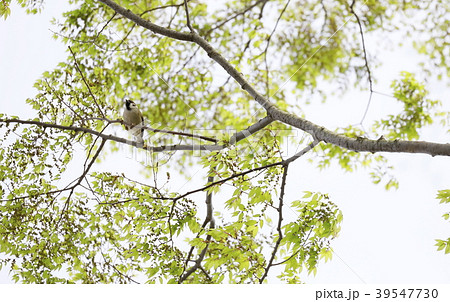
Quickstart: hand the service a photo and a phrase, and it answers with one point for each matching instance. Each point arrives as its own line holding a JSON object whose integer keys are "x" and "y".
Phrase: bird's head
{"x": 129, "y": 104}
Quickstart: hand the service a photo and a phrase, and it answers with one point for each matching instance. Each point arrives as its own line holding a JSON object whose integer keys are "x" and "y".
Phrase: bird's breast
{"x": 131, "y": 117}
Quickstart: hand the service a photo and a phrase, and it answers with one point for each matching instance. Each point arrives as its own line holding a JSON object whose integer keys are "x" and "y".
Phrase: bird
{"x": 134, "y": 120}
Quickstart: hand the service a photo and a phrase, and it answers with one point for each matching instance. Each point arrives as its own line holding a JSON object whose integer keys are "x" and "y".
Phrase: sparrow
{"x": 134, "y": 120}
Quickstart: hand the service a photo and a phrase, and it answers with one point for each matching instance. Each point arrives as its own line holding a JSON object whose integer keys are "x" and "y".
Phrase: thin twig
{"x": 207, "y": 220}
{"x": 212, "y": 224}
{"x": 93, "y": 145}
{"x": 191, "y": 250}
{"x": 325, "y": 17}
{"x": 103, "y": 28}
{"x": 125, "y": 37}
{"x": 188, "y": 21}
{"x": 62, "y": 100}
{"x": 206, "y": 138}
{"x": 85, "y": 82}
{"x": 280, "y": 219}
{"x": 366, "y": 63}
{"x": 194, "y": 53}
{"x": 162, "y": 7}
{"x": 107, "y": 262}
{"x": 297, "y": 251}
{"x": 80, "y": 179}
{"x": 267, "y": 46}
{"x": 301, "y": 152}
{"x": 206, "y": 273}
{"x": 236, "y": 14}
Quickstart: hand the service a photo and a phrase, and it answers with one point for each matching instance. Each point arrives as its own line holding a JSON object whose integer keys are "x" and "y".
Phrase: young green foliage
{"x": 104, "y": 227}
{"x": 444, "y": 197}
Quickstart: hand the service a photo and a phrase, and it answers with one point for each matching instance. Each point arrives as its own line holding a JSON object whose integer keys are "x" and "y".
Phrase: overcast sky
{"x": 386, "y": 237}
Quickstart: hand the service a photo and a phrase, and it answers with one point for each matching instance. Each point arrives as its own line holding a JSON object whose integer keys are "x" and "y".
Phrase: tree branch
{"x": 325, "y": 17}
{"x": 280, "y": 219}
{"x": 363, "y": 44}
{"x": 85, "y": 82}
{"x": 365, "y": 60}
{"x": 192, "y": 147}
{"x": 266, "y": 49}
{"x": 301, "y": 152}
{"x": 261, "y": 124}
{"x": 61, "y": 99}
{"x": 108, "y": 263}
{"x": 206, "y": 138}
{"x": 236, "y": 14}
{"x": 100, "y": 32}
{"x": 359, "y": 144}
{"x": 188, "y": 20}
{"x": 296, "y": 252}
{"x": 212, "y": 224}
{"x": 80, "y": 179}
{"x": 202, "y": 137}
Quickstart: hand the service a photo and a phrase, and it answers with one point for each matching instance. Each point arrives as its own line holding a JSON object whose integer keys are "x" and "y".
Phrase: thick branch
{"x": 209, "y": 207}
{"x": 261, "y": 124}
{"x": 359, "y": 144}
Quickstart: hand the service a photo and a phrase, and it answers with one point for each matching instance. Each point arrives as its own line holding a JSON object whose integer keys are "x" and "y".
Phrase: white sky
{"x": 386, "y": 237}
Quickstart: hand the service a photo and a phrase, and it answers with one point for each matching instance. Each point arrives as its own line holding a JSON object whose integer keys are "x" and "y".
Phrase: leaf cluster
{"x": 444, "y": 197}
